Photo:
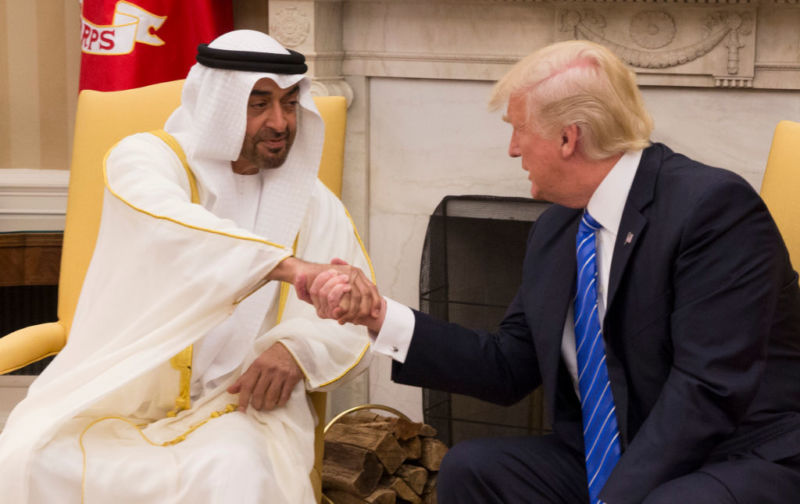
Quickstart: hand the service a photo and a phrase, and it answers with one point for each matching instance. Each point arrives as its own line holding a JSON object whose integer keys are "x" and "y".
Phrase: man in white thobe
{"x": 127, "y": 412}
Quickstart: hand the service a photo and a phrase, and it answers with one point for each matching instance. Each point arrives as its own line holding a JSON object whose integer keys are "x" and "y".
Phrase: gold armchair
{"x": 102, "y": 120}
{"x": 781, "y": 184}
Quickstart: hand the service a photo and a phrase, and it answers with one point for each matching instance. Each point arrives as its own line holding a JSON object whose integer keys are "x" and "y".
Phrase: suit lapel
{"x": 633, "y": 222}
{"x": 554, "y": 274}
{"x": 631, "y": 227}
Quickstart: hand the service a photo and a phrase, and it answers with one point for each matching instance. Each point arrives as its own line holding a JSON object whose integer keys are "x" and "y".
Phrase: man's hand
{"x": 269, "y": 381}
{"x": 346, "y": 298}
{"x": 339, "y": 292}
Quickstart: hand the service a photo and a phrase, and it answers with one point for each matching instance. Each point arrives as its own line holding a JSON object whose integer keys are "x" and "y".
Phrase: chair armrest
{"x": 30, "y": 344}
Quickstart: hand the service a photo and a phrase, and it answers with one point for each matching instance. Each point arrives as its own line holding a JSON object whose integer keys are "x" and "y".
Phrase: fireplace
{"x": 29, "y": 268}
{"x": 471, "y": 269}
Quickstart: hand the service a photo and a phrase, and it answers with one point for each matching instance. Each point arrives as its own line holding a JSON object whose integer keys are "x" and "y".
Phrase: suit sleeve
{"x": 499, "y": 366}
{"x": 726, "y": 281}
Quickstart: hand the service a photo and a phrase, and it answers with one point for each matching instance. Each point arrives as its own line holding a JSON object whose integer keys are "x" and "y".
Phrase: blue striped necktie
{"x": 600, "y": 433}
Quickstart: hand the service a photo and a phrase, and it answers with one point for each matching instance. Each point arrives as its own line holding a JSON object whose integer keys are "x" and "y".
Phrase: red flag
{"x": 133, "y": 43}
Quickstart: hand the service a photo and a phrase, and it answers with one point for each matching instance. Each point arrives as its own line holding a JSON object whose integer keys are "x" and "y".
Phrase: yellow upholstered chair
{"x": 102, "y": 120}
{"x": 781, "y": 185}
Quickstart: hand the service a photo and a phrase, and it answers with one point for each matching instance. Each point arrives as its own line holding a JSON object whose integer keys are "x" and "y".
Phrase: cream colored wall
{"x": 39, "y": 65}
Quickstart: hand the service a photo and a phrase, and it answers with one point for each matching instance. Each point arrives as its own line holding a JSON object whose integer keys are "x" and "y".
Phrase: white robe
{"x": 164, "y": 273}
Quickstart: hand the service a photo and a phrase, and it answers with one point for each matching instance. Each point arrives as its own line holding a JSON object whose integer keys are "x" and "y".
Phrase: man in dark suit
{"x": 658, "y": 308}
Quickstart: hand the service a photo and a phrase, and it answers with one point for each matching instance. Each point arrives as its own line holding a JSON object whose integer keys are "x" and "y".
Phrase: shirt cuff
{"x": 395, "y": 335}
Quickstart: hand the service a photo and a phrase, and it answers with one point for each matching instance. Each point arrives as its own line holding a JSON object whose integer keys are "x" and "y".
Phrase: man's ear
{"x": 569, "y": 140}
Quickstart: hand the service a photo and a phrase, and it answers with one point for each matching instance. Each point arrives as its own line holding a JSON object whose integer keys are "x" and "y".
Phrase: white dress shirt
{"x": 605, "y": 206}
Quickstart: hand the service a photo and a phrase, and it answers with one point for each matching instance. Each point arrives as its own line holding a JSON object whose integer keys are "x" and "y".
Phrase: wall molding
{"x": 744, "y": 44}
{"x": 33, "y": 200}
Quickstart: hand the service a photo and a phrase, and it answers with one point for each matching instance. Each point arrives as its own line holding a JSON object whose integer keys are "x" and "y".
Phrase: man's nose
{"x": 276, "y": 119}
{"x": 513, "y": 147}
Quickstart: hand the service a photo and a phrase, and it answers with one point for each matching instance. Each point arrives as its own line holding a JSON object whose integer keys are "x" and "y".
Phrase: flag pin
{"x": 629, "y": 238}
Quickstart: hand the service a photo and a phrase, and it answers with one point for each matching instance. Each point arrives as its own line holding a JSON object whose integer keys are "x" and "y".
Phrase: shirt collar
{"x": 608, "y": 201}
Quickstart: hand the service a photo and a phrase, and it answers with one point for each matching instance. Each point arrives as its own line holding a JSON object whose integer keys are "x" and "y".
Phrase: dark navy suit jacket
{"x": 702, "y": 329}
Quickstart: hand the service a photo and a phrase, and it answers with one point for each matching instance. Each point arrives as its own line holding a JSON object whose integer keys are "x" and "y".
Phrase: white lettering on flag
{"x": 131, "y": 24}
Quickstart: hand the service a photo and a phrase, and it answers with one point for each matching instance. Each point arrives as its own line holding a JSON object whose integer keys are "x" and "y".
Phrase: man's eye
{"x": 258, "y": 104}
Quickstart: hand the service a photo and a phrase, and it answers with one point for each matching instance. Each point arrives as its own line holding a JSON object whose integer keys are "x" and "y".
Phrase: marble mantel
{"x": 697, "y": 43}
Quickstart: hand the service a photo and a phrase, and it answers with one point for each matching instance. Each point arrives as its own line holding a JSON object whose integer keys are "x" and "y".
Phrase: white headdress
{"x": 210, "y": 125}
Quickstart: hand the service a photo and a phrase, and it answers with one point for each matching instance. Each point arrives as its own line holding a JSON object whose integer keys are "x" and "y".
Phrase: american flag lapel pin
{"x": 628, "y": 238}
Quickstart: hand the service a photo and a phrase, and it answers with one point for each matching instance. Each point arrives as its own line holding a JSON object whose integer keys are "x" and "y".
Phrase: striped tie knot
{"x": 600, "y": 432}
{"x": 588, "y": 223}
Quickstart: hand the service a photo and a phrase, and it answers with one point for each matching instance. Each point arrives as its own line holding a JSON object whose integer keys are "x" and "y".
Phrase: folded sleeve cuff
{"x": 395, "y": 335}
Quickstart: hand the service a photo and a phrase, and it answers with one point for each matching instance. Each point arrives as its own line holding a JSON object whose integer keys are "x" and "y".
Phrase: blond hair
{"x": 583, "y": 83}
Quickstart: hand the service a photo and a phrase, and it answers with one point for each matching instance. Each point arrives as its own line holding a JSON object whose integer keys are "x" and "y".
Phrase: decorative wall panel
{"x": 668, "y": 45}
{"x": 696, "y": 43}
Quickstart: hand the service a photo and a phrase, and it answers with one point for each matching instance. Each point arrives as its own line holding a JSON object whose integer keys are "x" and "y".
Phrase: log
{"x": 429, "y": 492}
{"x": 414, "y": 476}
{"x": 379, "y": 496}
{"x": 428, "y": 431}
{"x": 351, "y": 469}
{"x": 413, "y": 448}
{"x": 382, "y": 443}
{"x": 341, "y": 497}
{"x": 354, "y": 481}
{"x": 402, "y": 490}
{"x": 382, "y": 496}
{"x": 430, "y": 485}
{"x": 433, "y": 452}
{"x": 352, "y": 457}
{"x": 402, "y": 429}
{"x": 360, "y": 416}
{"x": 406, "y": 429}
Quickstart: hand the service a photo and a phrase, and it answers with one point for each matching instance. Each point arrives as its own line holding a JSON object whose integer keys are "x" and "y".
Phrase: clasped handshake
{"x": 337, "y": 291}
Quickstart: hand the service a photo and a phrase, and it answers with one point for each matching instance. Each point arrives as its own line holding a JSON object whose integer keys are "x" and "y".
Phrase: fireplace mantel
{"x": 686, "y": 43}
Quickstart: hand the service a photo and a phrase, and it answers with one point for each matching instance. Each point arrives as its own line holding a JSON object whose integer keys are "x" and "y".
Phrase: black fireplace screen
{"x": 471, "y": 269}
{"x": 27, "y": 305}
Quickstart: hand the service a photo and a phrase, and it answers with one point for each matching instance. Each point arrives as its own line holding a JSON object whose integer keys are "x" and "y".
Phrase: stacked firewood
{"x": 376, "y": 459}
